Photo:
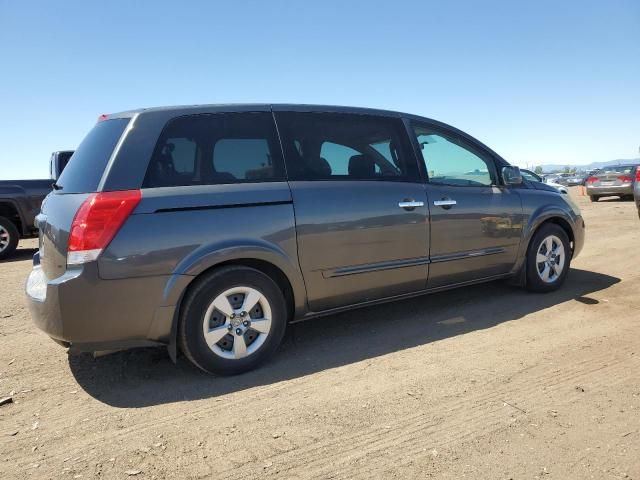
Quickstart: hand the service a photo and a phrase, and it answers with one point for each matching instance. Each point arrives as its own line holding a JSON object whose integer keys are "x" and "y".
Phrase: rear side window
{"x": 215, "y": 149}
{"x": 345, "y": 146}
{"x": 85, "y": 168}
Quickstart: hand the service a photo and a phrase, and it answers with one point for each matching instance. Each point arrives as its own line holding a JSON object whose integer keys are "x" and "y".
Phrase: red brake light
{"x": 625, "y": 178}
{"x": 97, "y": 221}
{"x": 103, "y": 117}
{"x": 592, "y": 180}
{"x": 637, "y": 174}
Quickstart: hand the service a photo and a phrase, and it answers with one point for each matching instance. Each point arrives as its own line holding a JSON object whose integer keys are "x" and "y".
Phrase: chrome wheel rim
{"x": 550, "y": 259}
{"x": 237, "y": 322}
{"x": 4, "y": 238}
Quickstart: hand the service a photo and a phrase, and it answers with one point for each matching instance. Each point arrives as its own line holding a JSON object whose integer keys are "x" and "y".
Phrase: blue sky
{"x": 540, "y": 82}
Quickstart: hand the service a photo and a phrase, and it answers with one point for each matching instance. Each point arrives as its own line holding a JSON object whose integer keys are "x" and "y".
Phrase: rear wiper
{"x": 55, "y": 186}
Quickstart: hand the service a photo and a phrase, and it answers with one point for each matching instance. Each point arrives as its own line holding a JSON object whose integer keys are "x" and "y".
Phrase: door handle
{"x": 445, "y": 203}
{"x": 410, "y": 204}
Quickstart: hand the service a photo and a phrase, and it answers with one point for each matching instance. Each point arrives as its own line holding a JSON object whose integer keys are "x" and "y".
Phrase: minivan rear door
{"x": 360, "y": 208}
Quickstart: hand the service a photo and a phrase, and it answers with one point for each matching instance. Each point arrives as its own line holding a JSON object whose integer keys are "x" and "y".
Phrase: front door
{"x": 476, "y": 221}
{"x": 360, "y": 206}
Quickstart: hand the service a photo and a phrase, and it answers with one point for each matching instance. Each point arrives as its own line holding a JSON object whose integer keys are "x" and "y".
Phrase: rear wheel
{"x": 548, "y": 259}
{"x": 593, "y": 198}
{"x": 232, "y": 321}
{"x": 9, "y": 237}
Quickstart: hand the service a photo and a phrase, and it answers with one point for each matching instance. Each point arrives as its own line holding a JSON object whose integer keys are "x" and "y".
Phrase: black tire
{"x": 199, "y": 298}
{"x": 10, "y": 230}
{"x": 534, "y": 282}
{"x": 593, "y": 198}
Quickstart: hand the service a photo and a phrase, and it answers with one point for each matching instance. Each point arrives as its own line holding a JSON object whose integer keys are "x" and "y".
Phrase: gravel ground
{"x": 484, "y": 382}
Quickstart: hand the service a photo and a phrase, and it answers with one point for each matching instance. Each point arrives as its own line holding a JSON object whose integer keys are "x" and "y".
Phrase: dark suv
{"x": 209, "y": 228}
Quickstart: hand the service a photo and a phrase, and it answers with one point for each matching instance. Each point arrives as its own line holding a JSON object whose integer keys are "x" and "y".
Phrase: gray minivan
{"x": 209, "y": 228}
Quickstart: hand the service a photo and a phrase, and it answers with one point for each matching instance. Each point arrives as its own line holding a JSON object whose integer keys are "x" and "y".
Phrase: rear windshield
{"x": 85, "y": 169}
{"x": 617, "y": 169}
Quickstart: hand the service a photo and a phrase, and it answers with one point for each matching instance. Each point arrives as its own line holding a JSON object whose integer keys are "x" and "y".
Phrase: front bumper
{"x": 89, "y": 313}
{"x": 610, "y": 190}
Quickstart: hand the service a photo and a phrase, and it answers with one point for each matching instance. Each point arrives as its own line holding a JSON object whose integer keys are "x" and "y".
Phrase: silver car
{"x": 616, "y": 180}
{"x": 534, "y": 177}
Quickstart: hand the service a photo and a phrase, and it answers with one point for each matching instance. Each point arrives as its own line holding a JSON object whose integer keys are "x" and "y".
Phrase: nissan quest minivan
{"x": 209, "y": 228}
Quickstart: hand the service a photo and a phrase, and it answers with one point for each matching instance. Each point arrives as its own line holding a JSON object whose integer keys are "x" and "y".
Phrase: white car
{"x": 534, "y": 177}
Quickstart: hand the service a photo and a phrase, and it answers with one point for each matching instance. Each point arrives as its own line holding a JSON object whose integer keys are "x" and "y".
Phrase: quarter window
{"x": 331, "y": 146}
{"x": 215, "y": 149}
{"x": 447, "y": 162}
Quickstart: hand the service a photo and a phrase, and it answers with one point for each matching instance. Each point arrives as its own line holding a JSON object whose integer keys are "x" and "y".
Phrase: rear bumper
{"x": 91, "y": 313}
{"x": 610, "y": 190}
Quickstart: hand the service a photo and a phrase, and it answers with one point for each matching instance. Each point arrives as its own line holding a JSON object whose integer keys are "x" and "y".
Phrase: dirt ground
{"x": 486, "y": 382}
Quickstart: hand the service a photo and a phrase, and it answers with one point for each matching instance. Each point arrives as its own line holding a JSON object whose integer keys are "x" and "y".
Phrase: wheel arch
{"x": 261, "y": 258}
{"x": 9, "y": 209}
{"x": 549, "y": 215}
{"x": 562, "y": 223}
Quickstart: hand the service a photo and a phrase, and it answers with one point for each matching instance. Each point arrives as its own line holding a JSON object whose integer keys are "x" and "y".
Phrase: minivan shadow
{"x": 145, "y": 377}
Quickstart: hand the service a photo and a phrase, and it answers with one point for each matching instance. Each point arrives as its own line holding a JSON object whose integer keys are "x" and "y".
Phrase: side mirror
{"x": 511, "y": 175}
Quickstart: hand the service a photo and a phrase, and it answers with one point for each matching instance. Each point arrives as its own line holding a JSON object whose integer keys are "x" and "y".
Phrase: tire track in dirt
{"x": 480, "y": 418}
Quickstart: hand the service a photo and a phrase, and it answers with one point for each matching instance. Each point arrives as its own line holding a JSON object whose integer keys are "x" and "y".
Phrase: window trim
{"x": 413, "y": 174}
{"x": 462, "y": 141}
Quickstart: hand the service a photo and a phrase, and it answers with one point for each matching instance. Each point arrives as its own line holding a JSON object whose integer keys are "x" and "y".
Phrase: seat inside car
{"x": 362, "y": 166}
{"x": 163, "y": 171}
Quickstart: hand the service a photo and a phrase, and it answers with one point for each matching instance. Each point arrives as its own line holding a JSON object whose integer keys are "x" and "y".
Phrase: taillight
{"x": 637, "y": 174}
{"x": 97, "y": 221}
{"x": 625, "y": 178}
{"x": 592, "y": 180}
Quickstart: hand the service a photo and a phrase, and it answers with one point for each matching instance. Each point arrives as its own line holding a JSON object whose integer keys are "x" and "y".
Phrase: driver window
{"x": 448, "y": 163}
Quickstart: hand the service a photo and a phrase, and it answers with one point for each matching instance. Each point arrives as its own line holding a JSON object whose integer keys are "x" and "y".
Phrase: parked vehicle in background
{"x": 615, "y": 180}
{"x": 534, "y": 177}
{"x": 58, "y": 161}
{"x": 636, "y": 188}
{"x": 561, "y": 178}
{"x": 185, "y": 233}
{"x": 576, "y": 179}
{"x": 20, "y": 203}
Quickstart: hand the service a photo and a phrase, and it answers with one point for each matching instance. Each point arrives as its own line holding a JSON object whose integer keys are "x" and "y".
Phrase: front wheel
{"x": 548, "y": 259}
{"x": 593, "y": 198}
{"x": 9, "y": 237}
{"x": 232, "y": 320}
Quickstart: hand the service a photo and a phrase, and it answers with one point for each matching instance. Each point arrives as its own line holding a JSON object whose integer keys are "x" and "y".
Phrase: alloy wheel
{"x": 237, "y": 322}
{"x": 550, "y": 259}
{"x": 5, "y": 239}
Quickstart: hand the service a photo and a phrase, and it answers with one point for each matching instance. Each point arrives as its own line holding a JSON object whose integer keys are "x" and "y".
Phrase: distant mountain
{"x": 550, "y": 167}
